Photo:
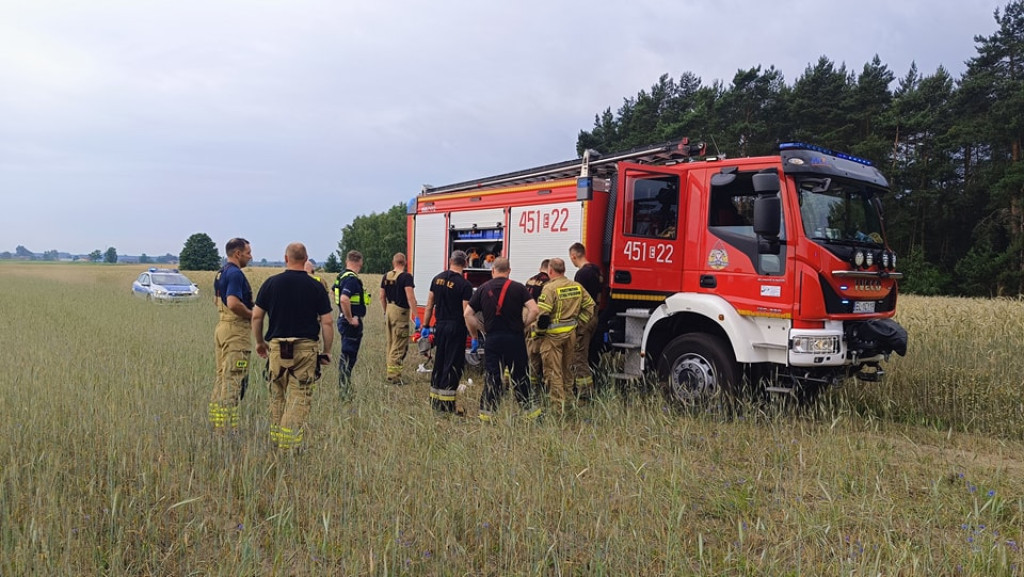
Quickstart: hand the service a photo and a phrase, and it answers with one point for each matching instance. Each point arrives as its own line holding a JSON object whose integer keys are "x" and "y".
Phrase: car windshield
{"x": 838, "y": 211}
{"x": 170, "y": 279}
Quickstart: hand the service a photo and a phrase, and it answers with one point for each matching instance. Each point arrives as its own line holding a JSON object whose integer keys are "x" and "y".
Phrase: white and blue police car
{"x": 164, "y": 285}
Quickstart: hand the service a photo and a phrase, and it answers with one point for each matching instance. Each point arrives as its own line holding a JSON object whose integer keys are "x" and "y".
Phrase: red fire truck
{"x": 771, "y": 272}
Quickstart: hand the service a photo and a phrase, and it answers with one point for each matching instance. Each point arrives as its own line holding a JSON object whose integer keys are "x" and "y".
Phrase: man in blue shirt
{"x": 233, "y": 297}
{"x": 352, "y": 300}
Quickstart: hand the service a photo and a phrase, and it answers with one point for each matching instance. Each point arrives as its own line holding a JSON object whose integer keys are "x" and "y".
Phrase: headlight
{"x": 892, "y": 260}
{"x": 869, "y": 259}
{"x": 885, "y": 259}
{"x": 824, "y": 345}
{"x": 858, "y": 259}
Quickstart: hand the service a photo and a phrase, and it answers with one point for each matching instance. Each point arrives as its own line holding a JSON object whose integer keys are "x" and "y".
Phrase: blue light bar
{"x": 823, "y": 150}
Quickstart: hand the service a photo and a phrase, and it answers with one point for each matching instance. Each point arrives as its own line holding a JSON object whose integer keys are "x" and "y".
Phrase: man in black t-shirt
{"x": 502, "y": 301}
{"x": 449, "y": 294}
{"x": 300, "y": 311}
{"x": 397, "y": 298}
{"x": 585, "y": 360}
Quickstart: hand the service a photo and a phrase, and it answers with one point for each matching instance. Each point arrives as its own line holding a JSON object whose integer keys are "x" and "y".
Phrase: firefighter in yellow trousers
{"x": 398, "y": 299}
{"x": 233, "y": 296}
{"x": 300, "y": 312}
{"x": 563, "y": 304}
{"x": 535, "y": 284}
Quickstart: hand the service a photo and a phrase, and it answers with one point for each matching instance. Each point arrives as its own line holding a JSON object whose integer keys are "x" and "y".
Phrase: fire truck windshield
{"x": 842, "y": 212}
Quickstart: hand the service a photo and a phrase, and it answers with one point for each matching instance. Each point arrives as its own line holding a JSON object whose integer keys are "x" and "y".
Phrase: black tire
{"x": 696, "y": 368}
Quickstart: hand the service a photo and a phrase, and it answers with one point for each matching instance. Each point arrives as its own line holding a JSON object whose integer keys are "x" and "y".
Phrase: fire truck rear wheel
{"x": 696, "y": 368}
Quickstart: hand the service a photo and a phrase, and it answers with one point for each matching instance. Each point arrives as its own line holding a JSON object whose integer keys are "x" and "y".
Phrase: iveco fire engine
{"x": 768, "y": 271}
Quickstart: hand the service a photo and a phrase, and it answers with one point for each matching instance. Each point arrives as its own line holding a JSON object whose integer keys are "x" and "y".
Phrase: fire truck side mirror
{"x": 766, "y": 183}
{"x": 768, "y": 222}
{"x": 767, "y": 210}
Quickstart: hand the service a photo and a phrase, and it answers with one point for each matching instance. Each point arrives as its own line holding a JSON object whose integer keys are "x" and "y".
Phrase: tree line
{"x": 950, "y": 148}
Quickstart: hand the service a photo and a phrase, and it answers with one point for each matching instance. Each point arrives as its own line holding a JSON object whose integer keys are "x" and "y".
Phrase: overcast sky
{"x": 137, "y": 123}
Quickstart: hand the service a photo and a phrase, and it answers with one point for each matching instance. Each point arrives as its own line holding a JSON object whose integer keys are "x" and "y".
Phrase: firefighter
{"x": 352, "y": 300}
{"x": 506, "y": 306}
{"x": 585, "y": 359}
{"x": 397, "y": 298}
{"x": 563, "y": 305}
{"x": 233, "y": 296}
{"x": 535, "y": 284}
{"x": 449, "y": 296}
{"x": 300, "y": 311}
{"x": 311, "y": 270}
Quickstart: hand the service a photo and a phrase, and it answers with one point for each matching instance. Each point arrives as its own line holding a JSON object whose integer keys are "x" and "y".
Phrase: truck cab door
{"x": 646, "y": 261}
{"x": 737, "y": 264}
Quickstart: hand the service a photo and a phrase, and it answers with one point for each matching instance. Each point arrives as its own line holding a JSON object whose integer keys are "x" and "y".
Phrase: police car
{"x": 164, "y": 285}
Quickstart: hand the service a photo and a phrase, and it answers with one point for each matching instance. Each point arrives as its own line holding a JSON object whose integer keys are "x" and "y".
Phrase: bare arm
{"x": 257, "y": 331}
{"x": 428, "y": 311}
{"x": 532, "y": 312}
{"x": 327, "y": 330}
{"x": 472, "y": 323}
{"x": 410, "y": 295}
{"x": 383, "y": 298}
{"x": 236, "y": 306}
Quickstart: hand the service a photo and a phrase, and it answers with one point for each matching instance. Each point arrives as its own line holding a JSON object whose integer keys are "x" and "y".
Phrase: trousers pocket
{"x": 287, "y": 350}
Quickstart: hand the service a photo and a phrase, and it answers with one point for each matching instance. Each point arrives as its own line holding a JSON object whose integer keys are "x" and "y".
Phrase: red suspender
{"x": 501, "y": 297}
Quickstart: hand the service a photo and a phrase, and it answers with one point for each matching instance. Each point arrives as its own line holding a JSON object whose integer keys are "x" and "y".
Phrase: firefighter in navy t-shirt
{"x": 233, "y": 296}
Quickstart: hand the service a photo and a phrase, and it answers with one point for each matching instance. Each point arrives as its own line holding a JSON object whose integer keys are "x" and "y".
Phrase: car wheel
{"x": 696, "y": 368}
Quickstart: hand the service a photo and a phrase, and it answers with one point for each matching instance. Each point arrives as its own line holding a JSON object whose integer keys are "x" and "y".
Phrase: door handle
{"x": 622, "y": 277}
{"x": 708, "y": 281}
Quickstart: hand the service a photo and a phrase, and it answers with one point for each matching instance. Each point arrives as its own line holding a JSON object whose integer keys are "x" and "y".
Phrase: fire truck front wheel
{"x": 696, "y": 368}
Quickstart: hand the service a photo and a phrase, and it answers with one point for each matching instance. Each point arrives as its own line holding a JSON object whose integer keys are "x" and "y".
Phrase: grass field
{"x": 107, "y": 465}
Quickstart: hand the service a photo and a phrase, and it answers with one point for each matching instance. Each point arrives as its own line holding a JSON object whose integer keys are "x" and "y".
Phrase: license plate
{"x": 863, "y": 306}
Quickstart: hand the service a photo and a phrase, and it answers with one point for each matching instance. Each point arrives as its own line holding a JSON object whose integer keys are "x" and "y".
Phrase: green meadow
{"x": 108, "y": 466}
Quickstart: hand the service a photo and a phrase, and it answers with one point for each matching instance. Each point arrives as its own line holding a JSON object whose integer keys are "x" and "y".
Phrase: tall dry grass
{"x": 107, "y": 466}
{"x": 964, "y": 368}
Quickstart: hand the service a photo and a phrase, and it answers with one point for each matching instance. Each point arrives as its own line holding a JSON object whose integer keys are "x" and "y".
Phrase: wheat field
{"x": 108, "y": 467}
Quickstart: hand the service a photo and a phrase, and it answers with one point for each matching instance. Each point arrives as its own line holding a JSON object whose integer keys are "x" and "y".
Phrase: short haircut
{"x": 235, "y": 244}
{"x": 500, "y": 264}
{"x": 354, "y": 256}
{"x": 544, "y": 264}
{"x": 557, "y": 265}
{"x": 398, "y": 259}
{"x": 578, "y": 249}
{"x": 458, "y": 258}
{"x": 296, "y": 251}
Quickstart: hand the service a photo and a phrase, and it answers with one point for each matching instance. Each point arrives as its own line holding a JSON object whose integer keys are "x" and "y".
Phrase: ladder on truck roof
{"x": 591, "y": 164}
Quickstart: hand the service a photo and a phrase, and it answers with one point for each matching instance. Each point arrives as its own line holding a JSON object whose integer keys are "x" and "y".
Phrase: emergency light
{"x": 823, "y": 150}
